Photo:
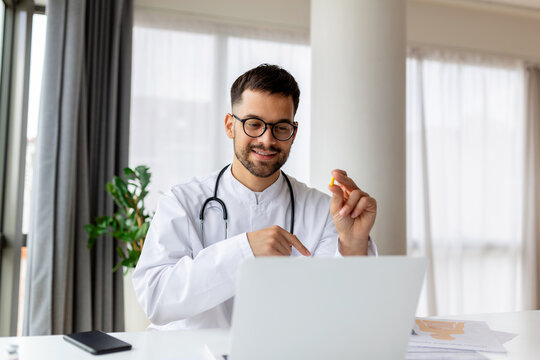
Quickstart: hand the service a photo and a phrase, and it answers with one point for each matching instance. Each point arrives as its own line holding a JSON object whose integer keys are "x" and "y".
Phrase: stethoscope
{"x": 224, "y": 207}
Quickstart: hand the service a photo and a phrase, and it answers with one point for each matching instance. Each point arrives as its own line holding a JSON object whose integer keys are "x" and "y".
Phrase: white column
{"x": 358, "y": 105}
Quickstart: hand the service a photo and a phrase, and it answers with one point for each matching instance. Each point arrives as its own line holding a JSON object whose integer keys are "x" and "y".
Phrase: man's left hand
{"x": 354, "y": 212}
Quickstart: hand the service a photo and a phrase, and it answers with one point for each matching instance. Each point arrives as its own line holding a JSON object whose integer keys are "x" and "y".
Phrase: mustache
{"x": 261, "y": 147}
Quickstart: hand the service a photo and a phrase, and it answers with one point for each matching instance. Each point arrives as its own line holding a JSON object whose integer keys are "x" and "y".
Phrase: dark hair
{"x": 265, "y": 77}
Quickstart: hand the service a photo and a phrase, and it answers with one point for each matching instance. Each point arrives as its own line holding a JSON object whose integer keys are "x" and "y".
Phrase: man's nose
{"x": 268, "y": 137}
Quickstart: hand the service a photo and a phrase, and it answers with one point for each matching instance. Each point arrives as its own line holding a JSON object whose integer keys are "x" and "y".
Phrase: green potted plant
{"x": 130, "y": 223}
{"x": 129, "y": 226}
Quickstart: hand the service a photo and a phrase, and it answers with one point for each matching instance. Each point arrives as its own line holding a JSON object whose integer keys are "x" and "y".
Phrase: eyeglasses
{"x": 253, "y": 127}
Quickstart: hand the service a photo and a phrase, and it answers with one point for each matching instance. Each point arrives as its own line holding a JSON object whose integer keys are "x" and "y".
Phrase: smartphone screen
{"x": 97, "y": 342}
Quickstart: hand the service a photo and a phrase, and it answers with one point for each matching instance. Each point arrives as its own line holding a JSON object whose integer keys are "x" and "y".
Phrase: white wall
{"x": 475, "y": 26}
{"x": 287, "y": 14}
{"x": 459, "y": 24}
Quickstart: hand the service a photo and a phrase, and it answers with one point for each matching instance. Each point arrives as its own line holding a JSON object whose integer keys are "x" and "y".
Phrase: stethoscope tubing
{"x": 224, "y": 207}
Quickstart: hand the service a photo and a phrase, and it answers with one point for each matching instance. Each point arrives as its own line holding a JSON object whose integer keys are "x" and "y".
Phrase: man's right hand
{"x": 275, "y": 241}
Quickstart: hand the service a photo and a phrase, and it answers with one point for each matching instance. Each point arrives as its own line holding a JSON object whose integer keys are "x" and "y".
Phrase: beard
{"x": 260, "y": 168}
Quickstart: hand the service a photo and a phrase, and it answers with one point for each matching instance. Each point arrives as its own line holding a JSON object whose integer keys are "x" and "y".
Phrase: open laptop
{"x": 325, "y": 308}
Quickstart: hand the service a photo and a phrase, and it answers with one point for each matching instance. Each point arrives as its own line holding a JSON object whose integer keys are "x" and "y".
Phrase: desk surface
{"x": 189, "y": 344}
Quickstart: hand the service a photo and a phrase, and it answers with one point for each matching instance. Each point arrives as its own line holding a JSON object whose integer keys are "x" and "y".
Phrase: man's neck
{"x": 252, "y": 182}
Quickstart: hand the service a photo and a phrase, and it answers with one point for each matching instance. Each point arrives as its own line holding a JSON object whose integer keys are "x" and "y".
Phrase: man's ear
{"x": 229, "y": 123}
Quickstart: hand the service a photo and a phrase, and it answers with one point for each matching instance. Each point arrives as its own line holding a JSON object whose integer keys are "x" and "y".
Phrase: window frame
{"x": 5, "y": 70}
{"x": 14, "y": 87}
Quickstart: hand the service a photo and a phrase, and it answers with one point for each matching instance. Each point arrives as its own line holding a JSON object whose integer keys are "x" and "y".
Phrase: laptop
{"x": 325, "y": 308}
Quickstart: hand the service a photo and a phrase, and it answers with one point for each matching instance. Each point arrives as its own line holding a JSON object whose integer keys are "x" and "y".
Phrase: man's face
{"x": 264, "y": 155}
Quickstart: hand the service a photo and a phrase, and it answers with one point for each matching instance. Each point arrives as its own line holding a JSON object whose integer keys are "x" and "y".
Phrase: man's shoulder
{"x": 197, "y": 181}
{"x": 195, "y": 187}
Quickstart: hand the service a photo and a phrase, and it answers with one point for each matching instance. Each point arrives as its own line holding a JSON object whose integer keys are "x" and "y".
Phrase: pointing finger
{"x": 297, "y": 244}
{"x": 283, "y": 248}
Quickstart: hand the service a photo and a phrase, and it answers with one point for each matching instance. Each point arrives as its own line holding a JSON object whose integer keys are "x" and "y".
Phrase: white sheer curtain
{"x": 465, "y": 155}
{"x": 182, "y": 72}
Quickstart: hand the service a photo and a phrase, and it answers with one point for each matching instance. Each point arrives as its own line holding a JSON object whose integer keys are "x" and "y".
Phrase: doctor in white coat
{"x": 185, "y": 277}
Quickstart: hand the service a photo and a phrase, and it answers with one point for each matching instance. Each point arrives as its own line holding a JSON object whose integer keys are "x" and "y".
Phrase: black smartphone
{"x": 97, "y": 342}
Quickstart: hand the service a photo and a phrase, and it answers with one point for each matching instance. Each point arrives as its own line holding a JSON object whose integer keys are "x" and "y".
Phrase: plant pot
{"x": 135, "y": 318}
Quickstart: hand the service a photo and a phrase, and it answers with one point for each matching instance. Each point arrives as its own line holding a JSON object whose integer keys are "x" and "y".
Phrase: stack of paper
{"x": 454, "y": 339}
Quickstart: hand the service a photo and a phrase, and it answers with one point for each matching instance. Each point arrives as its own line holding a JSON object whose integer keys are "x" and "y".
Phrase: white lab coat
{"x": 182, "y": 284}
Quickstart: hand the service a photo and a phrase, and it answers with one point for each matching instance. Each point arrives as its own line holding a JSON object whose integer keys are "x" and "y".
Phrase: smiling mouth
{"x": 264, "y": 153}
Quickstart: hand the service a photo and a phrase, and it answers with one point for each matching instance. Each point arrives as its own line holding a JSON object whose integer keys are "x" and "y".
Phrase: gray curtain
{"x": 531, "y": 212}
{"x": 82, "y": 143}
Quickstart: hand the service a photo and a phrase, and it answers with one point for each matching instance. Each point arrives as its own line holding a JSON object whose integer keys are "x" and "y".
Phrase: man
{"x": 186, "y": 274}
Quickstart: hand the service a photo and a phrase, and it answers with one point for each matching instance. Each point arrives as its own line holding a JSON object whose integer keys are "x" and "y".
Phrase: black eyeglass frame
{"x": 266, "y": 125}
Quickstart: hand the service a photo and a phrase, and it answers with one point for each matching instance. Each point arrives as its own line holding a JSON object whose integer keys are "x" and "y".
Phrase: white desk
{"x": 189, "y": 344}
{"x": 525, "y": 346}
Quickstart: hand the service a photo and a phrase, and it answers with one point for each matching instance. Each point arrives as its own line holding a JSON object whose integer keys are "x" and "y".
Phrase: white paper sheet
{"x": 504, "y": 337}
{"x": 455, "y": 334}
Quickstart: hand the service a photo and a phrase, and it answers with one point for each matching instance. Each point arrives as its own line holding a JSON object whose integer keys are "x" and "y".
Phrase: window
{"x": 465, "y": 128}
{"x": 181, "y": 77}
{"x": 22, "y": 58}
{"x": 37, "y": 53}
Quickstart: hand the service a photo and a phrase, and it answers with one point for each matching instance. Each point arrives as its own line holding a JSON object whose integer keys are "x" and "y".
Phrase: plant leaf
{"x": 130, "y": 223}
{"x": 129, "y": 173}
